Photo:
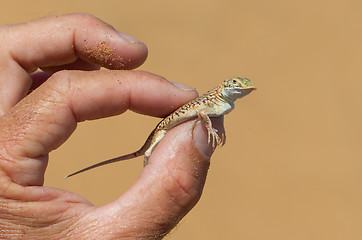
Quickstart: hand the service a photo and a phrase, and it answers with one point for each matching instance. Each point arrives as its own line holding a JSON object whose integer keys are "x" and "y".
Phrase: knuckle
{"x": 86, "y": 19}
{"x": 60, "y": 81}
{"x": 83, "y": 16}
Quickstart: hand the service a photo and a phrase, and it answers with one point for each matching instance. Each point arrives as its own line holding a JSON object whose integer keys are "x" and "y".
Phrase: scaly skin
{"x": 216, "y": 102}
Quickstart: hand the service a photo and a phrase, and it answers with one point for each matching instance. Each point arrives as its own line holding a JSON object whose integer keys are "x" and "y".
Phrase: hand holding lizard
{"x": 34, "y": 124}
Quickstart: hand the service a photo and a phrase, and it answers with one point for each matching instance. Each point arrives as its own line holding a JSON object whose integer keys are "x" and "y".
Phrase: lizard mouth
{"x": 251, "y": 88}
{"x": 245, "y": 91}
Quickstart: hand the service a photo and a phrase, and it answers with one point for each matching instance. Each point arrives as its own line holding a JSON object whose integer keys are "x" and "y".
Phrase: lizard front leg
{"x": 211, "y": 131}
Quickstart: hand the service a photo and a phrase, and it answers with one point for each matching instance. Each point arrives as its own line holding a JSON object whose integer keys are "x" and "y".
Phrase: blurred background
{"x": 291, "y": 167}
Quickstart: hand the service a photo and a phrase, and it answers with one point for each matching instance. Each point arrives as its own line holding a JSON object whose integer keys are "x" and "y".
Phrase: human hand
{"x": 33, "y": 125}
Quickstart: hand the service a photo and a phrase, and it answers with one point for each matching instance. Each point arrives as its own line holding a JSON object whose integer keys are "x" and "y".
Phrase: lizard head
{"x": 237, "y": 87}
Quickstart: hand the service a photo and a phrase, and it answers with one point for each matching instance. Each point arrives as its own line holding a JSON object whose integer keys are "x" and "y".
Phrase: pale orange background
{"x": 291, "y": 168}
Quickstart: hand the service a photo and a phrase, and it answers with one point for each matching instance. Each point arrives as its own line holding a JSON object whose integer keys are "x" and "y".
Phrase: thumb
{"x": 169, "y": 186}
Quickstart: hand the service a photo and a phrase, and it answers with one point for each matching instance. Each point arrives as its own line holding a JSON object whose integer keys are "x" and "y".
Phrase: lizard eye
{"x": 234, "y": 81}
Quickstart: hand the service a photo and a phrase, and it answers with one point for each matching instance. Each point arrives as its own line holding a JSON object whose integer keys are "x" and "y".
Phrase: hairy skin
{"x": 39, "y": 110}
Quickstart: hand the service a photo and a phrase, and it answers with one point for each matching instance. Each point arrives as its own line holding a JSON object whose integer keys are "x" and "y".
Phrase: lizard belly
{"x": 218, "y": 109}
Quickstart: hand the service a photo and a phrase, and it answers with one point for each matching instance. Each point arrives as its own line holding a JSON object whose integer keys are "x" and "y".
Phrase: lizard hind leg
{"x": 155, "y": 140}
{"x": 212, "y": 132}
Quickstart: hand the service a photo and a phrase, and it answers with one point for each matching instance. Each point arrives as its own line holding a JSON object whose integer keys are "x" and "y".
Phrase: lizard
{"x": 216, "y": 102}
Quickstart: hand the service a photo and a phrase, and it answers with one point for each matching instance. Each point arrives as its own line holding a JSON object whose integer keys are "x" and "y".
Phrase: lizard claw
{"x": 212, "y": 132}
{"x": 215, "y": 137}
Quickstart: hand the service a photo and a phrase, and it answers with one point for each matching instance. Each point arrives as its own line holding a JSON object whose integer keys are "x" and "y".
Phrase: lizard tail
{"x": 138, "y": 153}
{"x": 117, "y": 159}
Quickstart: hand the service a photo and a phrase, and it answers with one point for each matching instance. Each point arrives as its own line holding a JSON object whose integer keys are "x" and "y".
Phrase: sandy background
{"x": 291, "y": 168}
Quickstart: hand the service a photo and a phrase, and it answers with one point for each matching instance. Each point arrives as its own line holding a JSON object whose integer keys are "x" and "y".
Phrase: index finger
{"x": 47, "y": 117}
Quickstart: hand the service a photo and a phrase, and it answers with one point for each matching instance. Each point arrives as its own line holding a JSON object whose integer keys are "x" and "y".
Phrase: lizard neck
{"x": 230, "y": 95}
{"x": 227, "y": 97}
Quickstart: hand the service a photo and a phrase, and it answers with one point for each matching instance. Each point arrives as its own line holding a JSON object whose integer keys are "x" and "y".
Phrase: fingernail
{"x": 130, "y": 38}
{"x": 200, "y": 140}
{"x": 183, "y": 86}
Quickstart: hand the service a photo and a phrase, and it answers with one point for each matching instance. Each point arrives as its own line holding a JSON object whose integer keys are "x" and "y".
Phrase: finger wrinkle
{"x": 185, "y": 173}
{"x": 8, "y": 189}
{"x": 59, "y": 88}
{"x": 15, "y": 126}
{"x": 183, "y": 188}
{"x": 34, "y": 111}
{"x": 128, "y": 91}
